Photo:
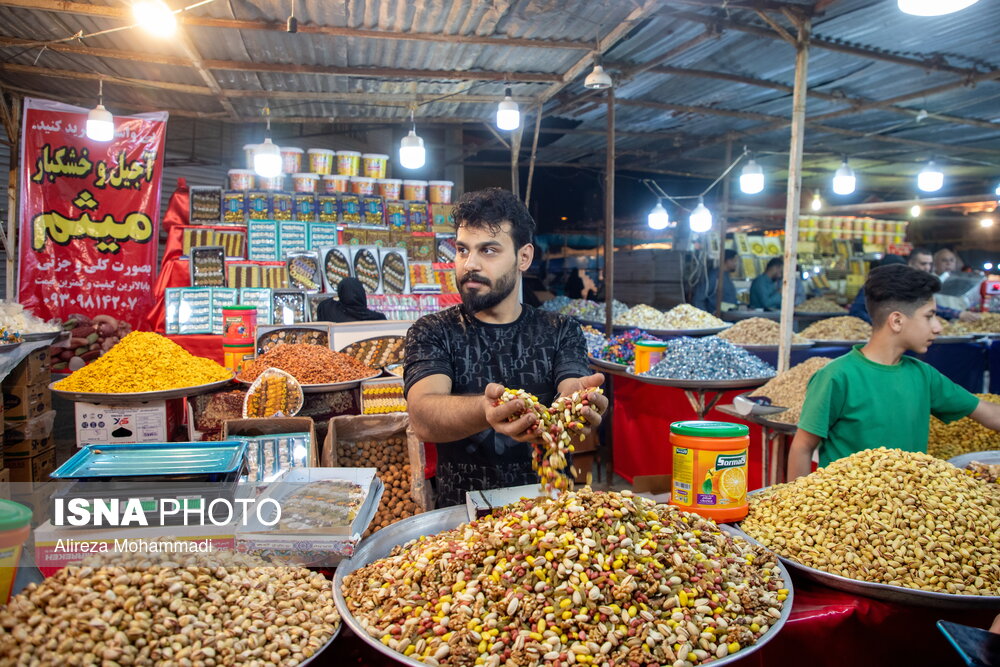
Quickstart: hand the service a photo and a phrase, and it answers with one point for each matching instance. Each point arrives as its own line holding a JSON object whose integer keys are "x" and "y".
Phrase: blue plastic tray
{"x": 154, "y": 459}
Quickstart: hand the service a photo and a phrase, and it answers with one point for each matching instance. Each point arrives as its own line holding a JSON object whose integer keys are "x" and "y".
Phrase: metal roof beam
{"x": 933, "y": 62}
{"x": 286, "y": 68}
{"x": 120, "y": 13}
{"x": 612, "y": 38}
{"x": 856, "y": 103}
{"x": 779, "y": 123}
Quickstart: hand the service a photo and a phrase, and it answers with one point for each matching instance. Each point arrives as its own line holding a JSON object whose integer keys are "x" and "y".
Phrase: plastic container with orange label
{"x": 15, "y": 527}
{"x": 239, "y": 325}
{"x": 647, "y": 354}
{"x": 710, "y": 469}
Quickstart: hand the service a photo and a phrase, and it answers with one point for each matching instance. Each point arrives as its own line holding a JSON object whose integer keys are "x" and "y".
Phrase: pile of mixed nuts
{"x": 170, "y": 608}
{"x": 587, "y": 578}
{"x": 555, "y": 427}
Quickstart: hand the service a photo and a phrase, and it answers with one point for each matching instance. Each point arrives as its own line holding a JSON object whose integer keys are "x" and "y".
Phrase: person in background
{"x": 876, "y": 395}
{"x": 765, "y": 290}
{"x": 922, "y": 259}
{"x": 945, "y": 261}
{"x": 858, "y": 308}
{"x": 704, "y": 292}
{"x": 351, "y": 304}
{"x": 574, "y": 285}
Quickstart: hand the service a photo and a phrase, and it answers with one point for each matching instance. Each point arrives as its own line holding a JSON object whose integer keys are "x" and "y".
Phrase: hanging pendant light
{"x": 658, "y": 218}
{"x": 844, "y": 180}
{"x": 930, "y": 178}
{"x": 933, "y": 7}
{"x": 752, "y": 178}
{"x": 598, "y": 79}
{"x": 701, "y": 218}
{"x": 155, "y": 17}
{"x": 915, "y": 211}
{"x": 508, "y": 115}
{"x": 100, "y": 122}
{"x": 817, "y": 202}
{"x": 411, "y": 149}
{"x": 267, "y": 156}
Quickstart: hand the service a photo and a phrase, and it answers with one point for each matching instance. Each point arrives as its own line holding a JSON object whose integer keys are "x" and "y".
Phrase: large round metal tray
{"x": 182, "y": 392}
{"x": 666, "y": 333}
{"x": 737, "y": 315}
{"x": 7, "y": 347}
{"x": 431, "y": 523}
{"x": 48, "y": 336}
{"x": 805, "y": 315}
{"x": 885, "y": 592}
{"x": 836, "y": 343}
{"x": 609, "y": 365}
{"x": 963, "y": 460}
{"x": 330, "y": 386}
{"x": 701, "y": 384}
{"x": 773, "y": 348}
{"x": 966, "y": 338}
{"x": 319, "y": 652}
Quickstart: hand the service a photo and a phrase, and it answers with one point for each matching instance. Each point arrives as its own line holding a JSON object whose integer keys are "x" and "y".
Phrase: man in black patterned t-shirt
{"x": 458, "y": 360}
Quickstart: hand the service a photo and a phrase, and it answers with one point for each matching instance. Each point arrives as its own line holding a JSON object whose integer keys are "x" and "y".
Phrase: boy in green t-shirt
{"x": 874, "y": 396}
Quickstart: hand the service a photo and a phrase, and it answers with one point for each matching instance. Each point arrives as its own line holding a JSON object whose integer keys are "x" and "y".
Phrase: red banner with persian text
{"x": 89, "y": 213}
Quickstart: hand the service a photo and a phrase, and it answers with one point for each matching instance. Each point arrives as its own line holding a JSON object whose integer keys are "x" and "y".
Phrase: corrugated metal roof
{"x": 965, "y": 40}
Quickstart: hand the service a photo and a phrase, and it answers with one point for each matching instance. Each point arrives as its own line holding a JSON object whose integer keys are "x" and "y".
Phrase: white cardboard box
{"x": 121, "y": 424}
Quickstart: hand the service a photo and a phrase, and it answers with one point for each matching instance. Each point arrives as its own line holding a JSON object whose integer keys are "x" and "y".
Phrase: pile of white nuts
{"x": 890, "y": 517}
{"x": 170, "y": 608}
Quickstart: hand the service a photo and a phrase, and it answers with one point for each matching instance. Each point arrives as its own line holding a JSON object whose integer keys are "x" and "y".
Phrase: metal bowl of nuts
{"x": 485, "y": 592}
{"x": 918, "y": 530}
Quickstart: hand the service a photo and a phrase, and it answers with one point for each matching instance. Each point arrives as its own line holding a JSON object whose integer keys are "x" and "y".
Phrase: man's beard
{"x": 489, "y": 296}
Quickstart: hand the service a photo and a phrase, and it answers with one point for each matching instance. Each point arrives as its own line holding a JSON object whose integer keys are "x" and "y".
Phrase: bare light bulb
{"x": 752, "y": 178}
{"x": 658, "y": 218}
{"x": 816, "y": 203}
{"x": 508, "y": 114}
{"x": 986, "y": 222}
{"x": 701, "y": 218}
{"x": 267, "y": 159}
{"x": 100, "y": 124}
{"x": 930, "y": 178}
{"x": 412, "y": 154}
{"x": 844, "y": 180}
{"x": 155, "y": 17}
{"x": 933, "y": 7}
{"x": 915, "y": 211}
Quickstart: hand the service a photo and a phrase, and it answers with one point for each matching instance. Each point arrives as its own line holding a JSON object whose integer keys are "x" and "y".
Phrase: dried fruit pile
{"x": 838, "y": 328}
{"x": 309, "y": 364}
{"x": 890, "y": 517}
{"x": 141, "y": 362}
{"x": 788, "y": 390}
{"x": 756, "y": 331}
{"x": 587, "y": 578}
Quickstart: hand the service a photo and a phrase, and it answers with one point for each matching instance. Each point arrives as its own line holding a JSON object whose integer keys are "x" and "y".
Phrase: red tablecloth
{"x": 641, "y": 422}
{"x": 827, "y": 628}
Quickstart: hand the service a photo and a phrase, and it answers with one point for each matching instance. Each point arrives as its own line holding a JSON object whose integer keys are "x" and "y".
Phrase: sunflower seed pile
{"x": 708, "y": 358}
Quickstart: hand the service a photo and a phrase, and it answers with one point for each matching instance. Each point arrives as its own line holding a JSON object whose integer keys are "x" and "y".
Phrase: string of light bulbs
{"x": 700, "y": 220}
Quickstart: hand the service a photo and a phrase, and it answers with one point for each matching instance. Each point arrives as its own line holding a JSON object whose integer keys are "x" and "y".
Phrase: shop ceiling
{"x": 889, "y": 90}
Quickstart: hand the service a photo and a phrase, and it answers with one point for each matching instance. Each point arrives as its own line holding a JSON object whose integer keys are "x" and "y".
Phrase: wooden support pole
{"x": 723, "y": 224}
{"x": 10, "y": 115}
{"x": 534, "y": 152}
{"x": 609, "y": 220}
{"x": 794, "y": 196}
{"x": 515, "y": 161}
